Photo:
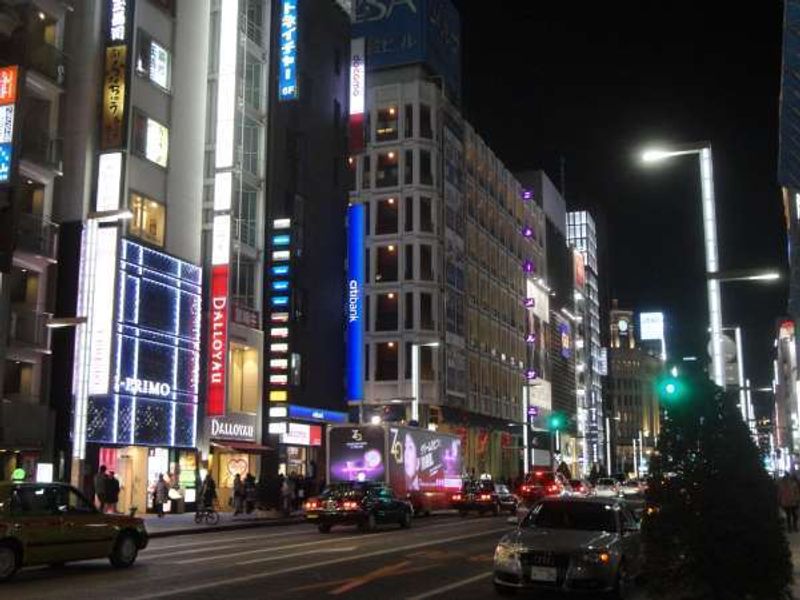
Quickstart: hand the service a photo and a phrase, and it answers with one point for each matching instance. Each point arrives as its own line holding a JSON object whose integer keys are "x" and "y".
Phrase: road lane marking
{"x": 363, "y": 537}
{"x": 449, "y": 587}
{"x": 239, "y": 579}
{"x": 158, "y": 548}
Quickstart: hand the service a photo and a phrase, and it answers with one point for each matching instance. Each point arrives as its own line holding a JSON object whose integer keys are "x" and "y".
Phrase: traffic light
{"x": 671, "y": 388}
{"x": 556, "y": 421}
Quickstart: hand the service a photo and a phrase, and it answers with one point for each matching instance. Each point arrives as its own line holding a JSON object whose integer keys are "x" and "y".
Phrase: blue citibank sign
{"x": 355, "y": 302}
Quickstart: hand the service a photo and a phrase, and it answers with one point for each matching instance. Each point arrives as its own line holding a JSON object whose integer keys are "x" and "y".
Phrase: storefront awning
{"x": 247, "y": 447}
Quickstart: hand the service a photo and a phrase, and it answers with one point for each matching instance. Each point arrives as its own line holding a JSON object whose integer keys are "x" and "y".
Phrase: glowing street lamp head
{"x": 655, "y": 155}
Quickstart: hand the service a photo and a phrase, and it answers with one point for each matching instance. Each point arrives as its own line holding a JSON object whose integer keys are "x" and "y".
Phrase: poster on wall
{"x": 356, "y": 454}
{"x": 421, "y": 460}
{"x": 231, "y": 466}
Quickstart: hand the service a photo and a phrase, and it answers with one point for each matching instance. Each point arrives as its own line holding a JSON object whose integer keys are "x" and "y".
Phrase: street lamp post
{"x": 415, "y": 378}
{"x": 703, "y": 151}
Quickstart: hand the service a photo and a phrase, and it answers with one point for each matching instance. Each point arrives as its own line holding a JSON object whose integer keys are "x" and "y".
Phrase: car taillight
{"x": 456, "y": 497}
{"x": 486, "y": 497}
{"x": 526, "y": 488}
{"x": 552, "y": 489}
{"x": 349, "y": 505}
{"x": 311, "y": 505}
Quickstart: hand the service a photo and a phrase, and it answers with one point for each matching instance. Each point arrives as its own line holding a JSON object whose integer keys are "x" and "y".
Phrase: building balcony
{"x": 28, "y": 328}
{"x": 37, "y": 235}
{"x": 41, "y": 148}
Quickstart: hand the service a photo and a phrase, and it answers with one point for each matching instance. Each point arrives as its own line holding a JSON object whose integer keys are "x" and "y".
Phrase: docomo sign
{"x": 357, "y": 88}
{"x": 218, "y": 341}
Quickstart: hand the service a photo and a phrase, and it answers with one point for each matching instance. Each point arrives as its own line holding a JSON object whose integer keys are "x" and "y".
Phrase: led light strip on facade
{"x": 279, "y": 308}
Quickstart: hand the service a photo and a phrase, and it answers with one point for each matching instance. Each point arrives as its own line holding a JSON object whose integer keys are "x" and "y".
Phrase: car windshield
{"x": 541, "y": 478}
{"x": 609, "y": 482}
{"x": 501, "y": 489}
{"x": 347, "y": 490}
{"x": 573, "y": 515}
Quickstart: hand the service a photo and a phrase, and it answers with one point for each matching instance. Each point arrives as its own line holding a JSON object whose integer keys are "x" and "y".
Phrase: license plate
{"x": 544, "y": 573}
{"x": 312, "y": 516}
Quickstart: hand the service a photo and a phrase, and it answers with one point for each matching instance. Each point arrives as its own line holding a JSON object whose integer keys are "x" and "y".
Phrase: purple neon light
{"x": 527, "y": 232}
{"x": 528, "y": 266}
{"x": 529, "y": 302}
{"x": 530, "y": 374}
{"x": 527, "y": 194}
{"x": 530, "y": 338}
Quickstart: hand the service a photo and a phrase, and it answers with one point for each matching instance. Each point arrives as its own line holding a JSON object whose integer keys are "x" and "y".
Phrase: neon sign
{"x": 355, "y": 302}
{"x": 287, "y": 83}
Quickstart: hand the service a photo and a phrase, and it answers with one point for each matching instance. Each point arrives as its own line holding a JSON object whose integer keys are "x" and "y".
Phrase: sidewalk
{"x": 184, "y": 524}
{"x": 794, "y": 546}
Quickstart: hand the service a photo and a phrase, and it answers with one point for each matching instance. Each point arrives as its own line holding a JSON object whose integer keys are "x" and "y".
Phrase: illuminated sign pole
{"x": 356, "y": 230}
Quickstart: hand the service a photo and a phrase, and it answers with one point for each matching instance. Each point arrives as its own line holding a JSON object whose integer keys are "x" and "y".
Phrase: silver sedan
{"x": 571, "y": 544}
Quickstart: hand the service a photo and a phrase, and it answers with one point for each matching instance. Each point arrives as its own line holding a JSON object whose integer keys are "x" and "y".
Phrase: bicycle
{"x": 208, "y": 514}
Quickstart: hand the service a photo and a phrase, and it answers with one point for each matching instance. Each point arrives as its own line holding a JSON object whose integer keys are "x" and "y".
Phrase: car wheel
{"x": 324, "y": 527}
{"x": 504, "y": 590}
{"x": 405, "y": 520}
{"x": 9, "y": 561}
{"x": 125, "y": 551}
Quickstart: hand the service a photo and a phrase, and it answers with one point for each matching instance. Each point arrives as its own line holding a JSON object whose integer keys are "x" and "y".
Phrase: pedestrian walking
{"x": 112, "y": 491}
{"x": 160, "y": 495}
{"x": 286, "y": 497}
{"x": 789, "y": 499}
{"x": 100, "y": 488}
{"x": 238, "y": 495}
{"x": 249, "y": 493}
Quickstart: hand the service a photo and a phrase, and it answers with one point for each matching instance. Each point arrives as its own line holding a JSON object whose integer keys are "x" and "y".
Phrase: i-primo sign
{"x": 145, "y": 386}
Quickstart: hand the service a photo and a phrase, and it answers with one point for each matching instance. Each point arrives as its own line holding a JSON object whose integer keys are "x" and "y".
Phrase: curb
{"x": 227, "y": 527}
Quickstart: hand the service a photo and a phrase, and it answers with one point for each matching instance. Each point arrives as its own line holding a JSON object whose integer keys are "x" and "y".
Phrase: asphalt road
{"x": 441, "y": 557}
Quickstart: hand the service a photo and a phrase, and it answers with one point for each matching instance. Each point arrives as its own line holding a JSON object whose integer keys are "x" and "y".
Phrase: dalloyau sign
{"x": 240, "y": 427}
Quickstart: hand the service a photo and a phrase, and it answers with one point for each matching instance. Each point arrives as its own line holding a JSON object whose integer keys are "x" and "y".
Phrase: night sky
{"x": 546, "y": 80}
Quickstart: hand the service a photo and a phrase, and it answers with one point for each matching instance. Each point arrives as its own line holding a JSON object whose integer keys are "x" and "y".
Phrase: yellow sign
{"x": 113, "y": 127}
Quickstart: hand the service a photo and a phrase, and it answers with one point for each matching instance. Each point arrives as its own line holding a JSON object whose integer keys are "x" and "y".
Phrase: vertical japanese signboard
{"x": 287, "y": 68}
{"x": 9, "y": 80}
{"x": 358, "y": 94}
{"x": 114, "y": 84}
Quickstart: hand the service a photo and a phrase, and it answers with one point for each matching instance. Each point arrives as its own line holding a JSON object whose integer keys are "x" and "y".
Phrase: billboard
{"x": 356, "y": 454}
{"x": 651, "y": 326}
{"x": 404, "y": 32}
{"x": 422, "y": 460}
{"x": 356, "y": 232}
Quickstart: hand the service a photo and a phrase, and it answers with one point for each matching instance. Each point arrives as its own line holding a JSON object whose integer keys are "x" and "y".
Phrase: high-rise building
{"x": 451, "y": 241}
{"x": 590, "y": 369}
{"x": 130, "y": 205}
{"x": 32, "y": 83}
{"x": 634, "y": 419}
{"x": 307, "y": 186}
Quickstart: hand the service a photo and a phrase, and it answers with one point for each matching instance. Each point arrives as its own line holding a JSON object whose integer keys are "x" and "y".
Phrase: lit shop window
{"x": 148, "y": 221}
{"x": 153, "y": 61}
{"x": 150, "y": 139}
{"x": 386, "y": 124}
{"x": 243, "y": 385}
{"x": 386, "y": 174}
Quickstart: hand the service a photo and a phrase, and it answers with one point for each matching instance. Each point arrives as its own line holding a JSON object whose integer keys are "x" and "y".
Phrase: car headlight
{"x": 596, "y": 557}
{"x": 507, "y": 557}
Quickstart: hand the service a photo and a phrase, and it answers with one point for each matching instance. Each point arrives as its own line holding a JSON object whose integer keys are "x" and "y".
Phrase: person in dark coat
{"x": 208, "y": 492}
{"x": 160, "y": 495}
{"x": 249, "y": 493}
{"x": 112, "y": 491}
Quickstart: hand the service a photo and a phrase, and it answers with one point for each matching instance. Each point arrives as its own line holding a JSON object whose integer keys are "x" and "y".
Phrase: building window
{"x": 149, "y": 220}
{"x": 408, "y": 127}
{"x": 426, "y": 371}
{"x": 408, "y": 177}
{"x": 386, "y": 361}
{"x": 425, "y": 214}
{"x": 386, "y": 220}
{"x": 243, "y": 394}
{"x": 386, "y": 313}
{"x": 245, "y": 214}
{"x": 409, "y": 210}
{"x": 425, "y": 168}
{"x": 425, "y": 311}
{"x": 386, "y": 174}
{"x": 409, "y": 262}
{"x": 249, "y": 137}
{"x": 253, "y": 78}
{"x": 408, "y": 321}
{"x": 366, "y": 172}
{"x": 425, "y": 263}
{"x": 244, "y": 274}
{"x": 150, "y": 139}
{"x": 153, "y": 61}
{"x": 367, "y": 214}
{"x": 367, "y": 320}
{"x": 425, "y": 126}
{"x": 386, "y": 124}
{"x": 386, "y": 267}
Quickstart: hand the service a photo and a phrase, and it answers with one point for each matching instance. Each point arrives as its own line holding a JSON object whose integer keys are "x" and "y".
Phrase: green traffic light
{"x": 556, "y": 422}
{"x": 671, "y": 389}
